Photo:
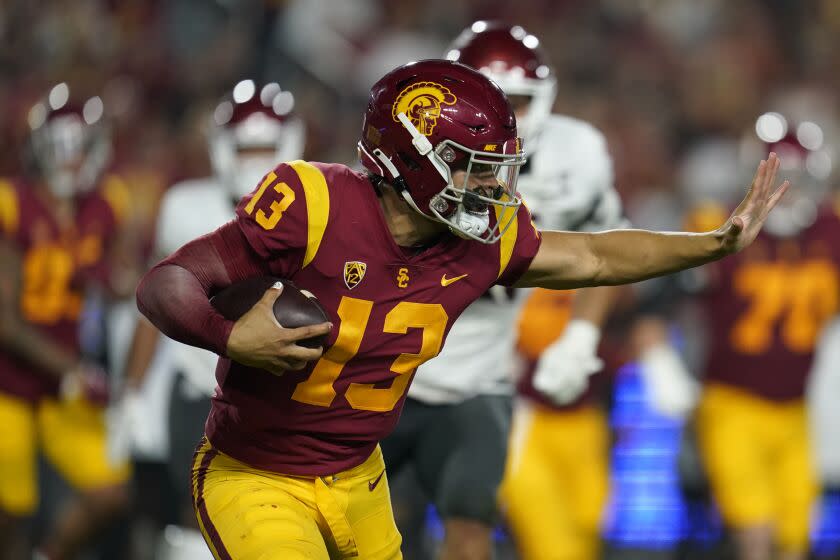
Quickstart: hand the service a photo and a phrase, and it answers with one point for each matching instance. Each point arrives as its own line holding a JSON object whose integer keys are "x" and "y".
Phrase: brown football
{"x": 292, "y": 309}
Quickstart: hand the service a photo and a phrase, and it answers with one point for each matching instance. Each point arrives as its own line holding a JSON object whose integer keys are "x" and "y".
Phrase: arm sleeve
{"x": 175, "y": 294}
{"x": 518, "y": 247}
{"x": 284, "y": 218}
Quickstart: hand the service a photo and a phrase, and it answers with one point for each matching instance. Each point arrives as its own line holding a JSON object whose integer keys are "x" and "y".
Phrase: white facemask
{"x": 62, "y": 183}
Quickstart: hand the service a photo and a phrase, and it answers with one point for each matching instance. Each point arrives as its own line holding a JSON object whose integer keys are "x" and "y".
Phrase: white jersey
{"x": 568, "y": 185}
{"x": 191, "y": 209}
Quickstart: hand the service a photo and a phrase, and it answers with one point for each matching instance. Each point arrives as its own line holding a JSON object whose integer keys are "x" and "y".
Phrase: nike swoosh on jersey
{"x": 444, "y": 281}
{"x": 372, "y": 484}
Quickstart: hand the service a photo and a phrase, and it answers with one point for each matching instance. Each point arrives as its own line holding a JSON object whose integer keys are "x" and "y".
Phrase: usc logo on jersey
{"x": 421, "y": 103}
{"x": 354, "y": 272}
{"x": 402, "y": 278}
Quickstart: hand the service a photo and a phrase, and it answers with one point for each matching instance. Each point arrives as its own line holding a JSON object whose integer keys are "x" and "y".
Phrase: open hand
{"x": 746, "y": 221}
{"x": 259, "y": 341}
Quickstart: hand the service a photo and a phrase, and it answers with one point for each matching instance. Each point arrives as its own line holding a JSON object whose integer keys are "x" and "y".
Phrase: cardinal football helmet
{"x": 805, "y": 160}
{"x": 428, "y": 121}
{"x": 512, "y": 58}
{"x": 68, "y": 141}
{"x": 252, "y": 131}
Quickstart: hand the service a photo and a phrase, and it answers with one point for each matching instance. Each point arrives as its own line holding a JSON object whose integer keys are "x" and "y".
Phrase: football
{"x": 292, "y": 308}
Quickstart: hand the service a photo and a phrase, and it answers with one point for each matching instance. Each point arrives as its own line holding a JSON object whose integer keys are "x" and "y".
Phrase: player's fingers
{"x": 308, "y": 331}
{"x": 272, "y": 293}
{"x": 294, "y": 365}
{"x": 297, "y": 352}
{"x": 759, "y": 174}
{"x": 772, "y": 167}
{"x": 777, "y": 196}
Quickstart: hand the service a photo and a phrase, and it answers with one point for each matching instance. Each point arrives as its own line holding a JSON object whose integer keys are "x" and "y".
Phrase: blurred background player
{"x": 252, "y": 130}
{"x": 467, "y": 389}
{"x": 764, "y": 311}
{"x": 59, "y": 221}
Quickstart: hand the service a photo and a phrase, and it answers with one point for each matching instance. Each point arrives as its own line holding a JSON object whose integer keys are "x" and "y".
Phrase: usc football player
{"x": 291, "y": 466}
{"x": 58, "y": 223}
{"x": 765, "y": 309}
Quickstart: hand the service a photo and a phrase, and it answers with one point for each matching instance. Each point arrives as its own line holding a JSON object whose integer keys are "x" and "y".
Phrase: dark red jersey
{"x": 767, "y": 305}
{"x": 322, "y": 227}
{"x": 57, "y": 266}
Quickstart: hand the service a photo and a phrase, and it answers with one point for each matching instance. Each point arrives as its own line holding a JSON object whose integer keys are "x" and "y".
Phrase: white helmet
{"x": 252, "y": 131}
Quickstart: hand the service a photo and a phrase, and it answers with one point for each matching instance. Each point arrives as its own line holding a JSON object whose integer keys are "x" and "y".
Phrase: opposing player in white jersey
{"x": 467, "y": 390}
{"x": 252, "y": 130}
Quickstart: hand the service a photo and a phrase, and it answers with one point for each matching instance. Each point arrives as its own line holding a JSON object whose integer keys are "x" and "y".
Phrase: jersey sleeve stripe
{"x": 508, "y": 241}
{"x": 317, "y": 205}
{"x": 118, "y": 196}
{"x": 9, "y": 212}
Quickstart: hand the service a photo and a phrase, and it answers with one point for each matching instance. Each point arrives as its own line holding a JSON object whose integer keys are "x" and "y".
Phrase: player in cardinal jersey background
{"x": 59, "y": 222}
{"x": 291, "y": 467}
{"x": 252, "y": 129}
{"x": 764, "y": 311}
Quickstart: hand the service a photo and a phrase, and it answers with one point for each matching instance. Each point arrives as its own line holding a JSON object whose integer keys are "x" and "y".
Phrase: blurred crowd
{"x": 676, "y": 86}
{"x": 666, "y": 81}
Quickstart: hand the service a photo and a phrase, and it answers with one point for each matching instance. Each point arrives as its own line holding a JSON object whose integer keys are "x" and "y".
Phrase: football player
{"x": 765, "y": 309}
{"x": 291, "y": 466}
{"x": 252, "y": 129}
{"x": 466, "y": 391}
{"x": 58, "y": 223}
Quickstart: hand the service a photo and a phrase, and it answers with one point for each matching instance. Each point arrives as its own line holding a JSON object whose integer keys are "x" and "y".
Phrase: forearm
{"x": 633, "y": 255}
{"x": 144, "y": 344}
{"x": 575, "y": 260}
{"x": 19, "y": 337}
{"x": 175, "y": 294}
{"x": 177, "y": 303}
{"x": 30, "y": 346}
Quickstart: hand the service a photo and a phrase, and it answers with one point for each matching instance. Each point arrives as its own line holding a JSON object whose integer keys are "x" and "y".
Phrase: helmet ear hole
{"x": 409, "y": 161}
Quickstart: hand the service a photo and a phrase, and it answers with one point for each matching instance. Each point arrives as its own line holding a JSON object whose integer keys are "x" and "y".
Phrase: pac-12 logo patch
{"x": 354, "y": 272}
{"x": 421, "y": 103}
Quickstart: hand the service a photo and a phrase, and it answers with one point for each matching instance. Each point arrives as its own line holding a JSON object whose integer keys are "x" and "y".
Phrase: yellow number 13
{"x": 269, "y": 221}
{"x": 354, "y": 313}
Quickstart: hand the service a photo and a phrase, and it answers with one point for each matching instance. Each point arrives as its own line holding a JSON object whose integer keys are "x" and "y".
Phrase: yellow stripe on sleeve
{"x": 317, "y": 205}
{"x": 118, "y": 196}
{"x": 508, "y": 240}
{"x": 9, "y": 211}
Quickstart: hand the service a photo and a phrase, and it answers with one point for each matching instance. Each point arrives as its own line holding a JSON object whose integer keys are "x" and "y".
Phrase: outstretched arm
{"x": 574, "y": 260}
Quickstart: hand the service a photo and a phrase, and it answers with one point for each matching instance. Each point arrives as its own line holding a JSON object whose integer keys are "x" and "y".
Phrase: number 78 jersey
{"x": 321, "y": 226}
{"x": 767, "y": 307}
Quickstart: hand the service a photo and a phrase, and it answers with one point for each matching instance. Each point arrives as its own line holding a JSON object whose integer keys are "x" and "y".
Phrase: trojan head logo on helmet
{"x": 512, "y": 58}
{"x": 68, "y": 141}
{"x": 253, "y": 129}
{"x": 445, "y": 137}
{"x": 421, "y": 103}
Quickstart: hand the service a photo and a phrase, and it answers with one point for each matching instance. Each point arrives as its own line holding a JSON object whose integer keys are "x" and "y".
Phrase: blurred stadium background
{"x": 675, "y": 85}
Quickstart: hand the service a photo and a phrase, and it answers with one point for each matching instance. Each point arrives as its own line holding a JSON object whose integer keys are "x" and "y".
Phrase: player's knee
{"x": 111, "y": 500}
{"x": 470, "y": 503}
